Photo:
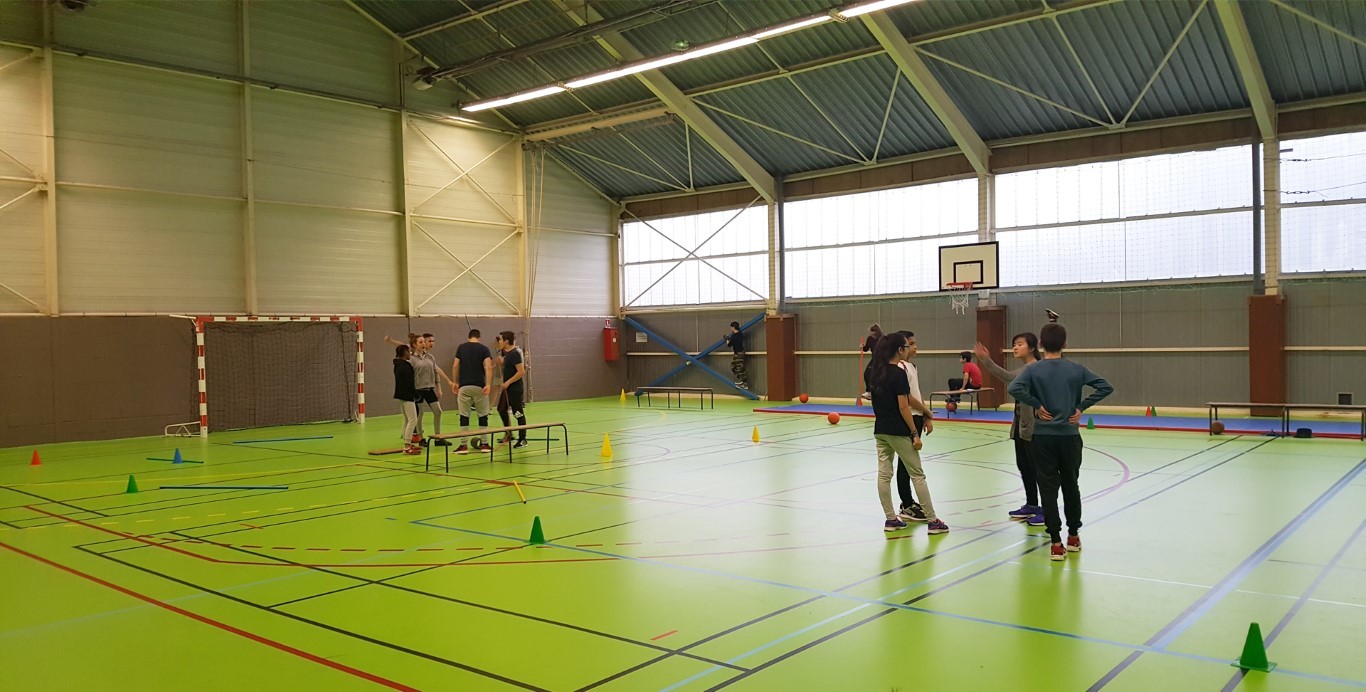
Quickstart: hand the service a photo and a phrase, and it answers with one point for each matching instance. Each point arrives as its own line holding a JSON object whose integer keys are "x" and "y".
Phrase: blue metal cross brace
{"x": 693, "y": 360}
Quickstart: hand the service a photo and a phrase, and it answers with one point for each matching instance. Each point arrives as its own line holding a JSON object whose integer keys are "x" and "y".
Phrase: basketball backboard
{"x": 975, "y": 262}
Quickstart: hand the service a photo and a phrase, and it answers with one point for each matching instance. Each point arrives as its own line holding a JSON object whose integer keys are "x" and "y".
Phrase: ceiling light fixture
{"x": 690, "y": 54}
{"x": 515, "y": 98}
{"x": 870, "y": 7}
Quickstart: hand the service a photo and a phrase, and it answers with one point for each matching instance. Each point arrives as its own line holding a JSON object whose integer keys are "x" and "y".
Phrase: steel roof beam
{"x": 678, "y": 103}
{"x": 918, "y": 73}
{"x": 1249, "y": 68}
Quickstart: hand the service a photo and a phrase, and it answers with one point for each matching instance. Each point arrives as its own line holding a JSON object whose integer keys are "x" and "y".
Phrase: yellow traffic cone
{"x": 623, "y": 396}
{"x": 606, "y": 446}
{"x": 755, "y": 436}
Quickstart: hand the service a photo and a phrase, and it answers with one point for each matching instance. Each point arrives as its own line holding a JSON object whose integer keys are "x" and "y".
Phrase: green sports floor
{"x": 692, "y": 559}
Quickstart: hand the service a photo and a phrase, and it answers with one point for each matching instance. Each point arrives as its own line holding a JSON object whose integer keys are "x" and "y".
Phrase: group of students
{"x": 416, "y": 387}
{"x": 1046, "y": 428}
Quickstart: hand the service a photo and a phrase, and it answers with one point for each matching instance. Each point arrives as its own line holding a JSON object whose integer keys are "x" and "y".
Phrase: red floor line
{"x": 280, "y": 646}
{"x": 655, "y": 639}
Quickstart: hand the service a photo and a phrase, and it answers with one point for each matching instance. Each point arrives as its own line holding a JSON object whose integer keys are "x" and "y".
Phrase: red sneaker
{"x": 1057, "y": 553}
{"x": 1074, "y": 544}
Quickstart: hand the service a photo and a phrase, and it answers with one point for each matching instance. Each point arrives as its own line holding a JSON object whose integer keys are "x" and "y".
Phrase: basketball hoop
{"x": 960, "y": 292}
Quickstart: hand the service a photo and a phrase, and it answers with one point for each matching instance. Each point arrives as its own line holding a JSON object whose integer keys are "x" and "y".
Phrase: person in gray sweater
{"x": 1025, "y": 347}
{"x": 1053, "y": 387}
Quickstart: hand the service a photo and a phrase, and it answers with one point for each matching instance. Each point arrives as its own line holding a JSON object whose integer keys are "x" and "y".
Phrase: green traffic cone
{"x": 1254, "y": 652}
{"x": 177, "y": 459}
{"x": 1154, "y": 411}
{"x": 1090, "y": 423}
{"x": 132, "y": 485}
{"x": 537, "y": 536}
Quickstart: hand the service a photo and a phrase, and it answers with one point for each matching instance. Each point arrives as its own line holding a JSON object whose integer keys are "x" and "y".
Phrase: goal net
{"x": 263, "y": 371}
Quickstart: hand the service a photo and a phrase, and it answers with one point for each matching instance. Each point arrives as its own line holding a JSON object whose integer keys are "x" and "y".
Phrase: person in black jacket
{"x": 405, "y": 392}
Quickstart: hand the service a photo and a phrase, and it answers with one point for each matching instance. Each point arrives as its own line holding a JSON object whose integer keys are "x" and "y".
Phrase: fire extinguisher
{"x": 611, "y": 343}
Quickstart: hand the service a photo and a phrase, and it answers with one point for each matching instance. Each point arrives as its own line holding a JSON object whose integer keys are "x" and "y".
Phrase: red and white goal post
{"x": 202, "y": 320}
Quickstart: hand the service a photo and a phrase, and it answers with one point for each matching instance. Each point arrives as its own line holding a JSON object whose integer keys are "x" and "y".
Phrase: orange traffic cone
{"x": 36, "y": 461}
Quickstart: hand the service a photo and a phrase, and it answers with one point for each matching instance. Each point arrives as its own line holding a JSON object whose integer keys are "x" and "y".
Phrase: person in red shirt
{"x": 972, "y": 375}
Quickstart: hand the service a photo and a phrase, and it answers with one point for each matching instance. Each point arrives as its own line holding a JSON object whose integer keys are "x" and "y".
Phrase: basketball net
{"x": 960, "y": 296}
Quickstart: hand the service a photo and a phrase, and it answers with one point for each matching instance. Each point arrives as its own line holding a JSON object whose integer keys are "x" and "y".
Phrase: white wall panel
{"x": 325, "y": 46}
{"x": 573, "y": 272}
{"x": 21, "y": 137}
{"x": 202, "y": 34}
{"x": 21, "y": 249}
{"x": 314, "y": 151}
{"x": 21, "y": 113}
{"x": 148, "y": 252}
{"x": 431, "y": 268}
{"x": 325, "y": 261}
{"x": 438, "y": 153}
{"x": 147, "y": 129}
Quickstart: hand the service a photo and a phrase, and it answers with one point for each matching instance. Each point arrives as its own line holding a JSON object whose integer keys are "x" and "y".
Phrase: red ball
{"x": 803, "y": 398}
{"x": 1217, "y": 427}
{"x": 952, "y": 407}
{"x": 833, "y": 418}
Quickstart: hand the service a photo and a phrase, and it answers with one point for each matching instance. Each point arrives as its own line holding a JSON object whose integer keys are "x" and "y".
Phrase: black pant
{"x": 903, "y": 477}
{"x": 1024, "y": 461}
{"x": 1057, "y": 462}
{"x": 957, "y": 383}
{"x": 511, "y": 399}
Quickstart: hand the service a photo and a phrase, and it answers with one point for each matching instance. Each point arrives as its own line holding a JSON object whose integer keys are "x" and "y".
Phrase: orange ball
{"x": 952, "y": 407}
{"x": 803, "y": 398}
{"x": 833, "y": 418}
{"x": 1217, "y": 427}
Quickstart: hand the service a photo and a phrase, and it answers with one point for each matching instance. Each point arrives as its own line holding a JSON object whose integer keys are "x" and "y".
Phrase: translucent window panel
{"x": 905, "y": 212}
{"x": 1323, "y": 239}
{"x": 906, "y": 266}
{"x": 1322, "y": 169}
{"x": 658, "y": 268}
{"x": 1154, "y": 249}
{"x": 1058, "y": 195}
{"x": 692, "y": 282}
{"x": 1144, "y": 186}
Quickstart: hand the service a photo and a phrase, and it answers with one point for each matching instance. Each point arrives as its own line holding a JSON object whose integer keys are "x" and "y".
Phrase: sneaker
{"x": 440, "y": 442}
{"x": 867, "y": 396}
{"x": 506, "y": 439}
{"x": 1074, "y": 544}
{"x": 519, "y": 444}
{"x": 462, "y": 449}
{"x": 479, "y": 446}
{"x": 742, "y": 385}
{"x": 1057, "y": 553}
{"x": 913, "y": 512}
{"x": 1024, "y": 512}
{"x": 938, "y": 526}
{"x": 412, "y": 450}
{"x": 893, "y": 525}
{"x": 1036, "y": 520}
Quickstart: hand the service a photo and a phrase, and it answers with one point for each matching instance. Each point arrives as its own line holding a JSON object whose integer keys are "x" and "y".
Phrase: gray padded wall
{"x": 1326, "y": 314}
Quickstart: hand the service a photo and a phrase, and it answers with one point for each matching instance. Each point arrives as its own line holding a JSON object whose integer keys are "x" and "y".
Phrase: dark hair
{"x": 882, "y": 368}
{"x": 401, "y": 351}
{"x": 474, "y": 333}
{"x": 508, "y": 337}
{"x": 1031, "y": 341}
{"x": 965, "y": 356}
{"x": 736, "y": 325}
{"x": 1053, "y": 337}
{"x": 428, "y": 335}
{"x": 907, "y": 333}
{"x": 876, "y": 331}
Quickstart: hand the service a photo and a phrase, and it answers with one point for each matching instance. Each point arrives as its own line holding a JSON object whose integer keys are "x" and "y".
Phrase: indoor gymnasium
{"x": 682, "y": 345}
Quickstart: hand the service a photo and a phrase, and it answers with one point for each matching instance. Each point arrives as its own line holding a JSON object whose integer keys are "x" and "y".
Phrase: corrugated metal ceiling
{"x": 1095, "y": 61}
